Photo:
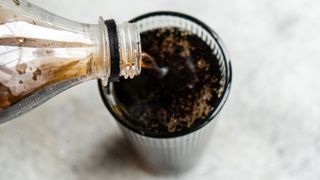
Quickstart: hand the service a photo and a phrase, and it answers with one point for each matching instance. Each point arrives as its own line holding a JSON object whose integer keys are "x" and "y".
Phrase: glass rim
{"x": 221, "y": 101}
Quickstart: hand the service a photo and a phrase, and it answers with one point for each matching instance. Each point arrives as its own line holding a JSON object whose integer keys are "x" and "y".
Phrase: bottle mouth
{"x": 129, "y": 50}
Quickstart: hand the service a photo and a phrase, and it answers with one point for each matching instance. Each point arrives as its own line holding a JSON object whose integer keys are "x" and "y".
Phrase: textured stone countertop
{"x": 269, "y": 128}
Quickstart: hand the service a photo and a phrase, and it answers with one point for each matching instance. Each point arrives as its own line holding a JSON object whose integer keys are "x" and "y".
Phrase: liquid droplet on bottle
{"x": 18, "y": 113}
{"x": 17, "y": 2}
{"x": 21, "y": 40}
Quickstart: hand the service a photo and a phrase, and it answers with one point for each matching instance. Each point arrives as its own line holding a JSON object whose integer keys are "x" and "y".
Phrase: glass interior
{"x": 147, "y": 23}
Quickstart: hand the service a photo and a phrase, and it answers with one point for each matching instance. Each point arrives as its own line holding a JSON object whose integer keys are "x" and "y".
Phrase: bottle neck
{"x": 120, "y": 51}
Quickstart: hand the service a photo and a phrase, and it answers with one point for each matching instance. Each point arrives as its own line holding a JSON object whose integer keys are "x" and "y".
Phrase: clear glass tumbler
{"x": 174, "y": 152}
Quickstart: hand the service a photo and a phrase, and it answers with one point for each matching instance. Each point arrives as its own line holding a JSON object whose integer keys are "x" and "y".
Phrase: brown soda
{"x": 45, "y": 67}
{"x": 180, "y": 83}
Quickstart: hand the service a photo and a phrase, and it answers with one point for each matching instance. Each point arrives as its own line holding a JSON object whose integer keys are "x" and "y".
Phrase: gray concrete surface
{"x": 269, "y": 128}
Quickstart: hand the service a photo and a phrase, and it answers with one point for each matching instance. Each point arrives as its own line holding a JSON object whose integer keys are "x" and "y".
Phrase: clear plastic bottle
{"x": 42, "y": 54}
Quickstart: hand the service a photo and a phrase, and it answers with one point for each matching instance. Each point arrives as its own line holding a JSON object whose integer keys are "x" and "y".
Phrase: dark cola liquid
{"x": 177, "y": 92}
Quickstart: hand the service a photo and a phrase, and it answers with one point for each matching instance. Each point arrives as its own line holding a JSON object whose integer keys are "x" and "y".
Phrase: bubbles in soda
{"x": 179, "y": 85}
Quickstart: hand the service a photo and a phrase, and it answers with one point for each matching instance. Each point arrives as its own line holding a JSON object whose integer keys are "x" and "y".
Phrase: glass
{"x": 42, "y": 54}
{"x": 174, "y": 152}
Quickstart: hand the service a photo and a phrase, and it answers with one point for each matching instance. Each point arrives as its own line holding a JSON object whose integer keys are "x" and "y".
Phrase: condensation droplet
{"x": 21, "y": 40}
